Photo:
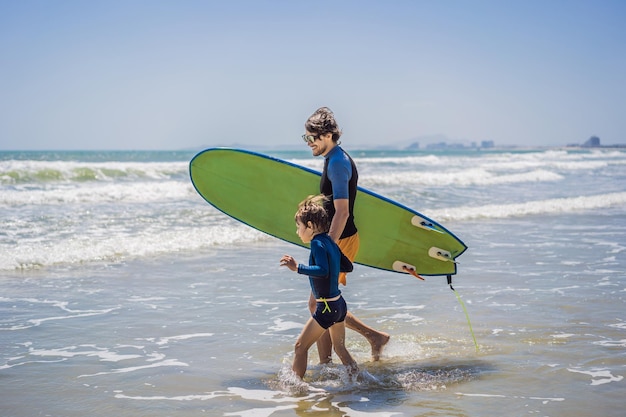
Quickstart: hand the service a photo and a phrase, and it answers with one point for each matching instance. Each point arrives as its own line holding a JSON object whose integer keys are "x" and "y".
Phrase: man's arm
{"x": 342, "y": 212}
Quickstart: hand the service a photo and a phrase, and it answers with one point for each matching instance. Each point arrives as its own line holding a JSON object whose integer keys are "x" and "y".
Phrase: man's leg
{"x": 377, "y": 340}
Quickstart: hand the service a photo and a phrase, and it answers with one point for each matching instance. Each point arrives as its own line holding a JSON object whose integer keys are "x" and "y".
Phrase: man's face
{"x": 321, "y": 144}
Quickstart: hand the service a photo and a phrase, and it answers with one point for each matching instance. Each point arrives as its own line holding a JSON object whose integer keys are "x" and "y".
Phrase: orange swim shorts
{"x": 349, "y": 246}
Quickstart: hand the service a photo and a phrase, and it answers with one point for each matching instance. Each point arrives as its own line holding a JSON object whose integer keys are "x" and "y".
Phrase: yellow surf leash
{"x": 458, "y": 297}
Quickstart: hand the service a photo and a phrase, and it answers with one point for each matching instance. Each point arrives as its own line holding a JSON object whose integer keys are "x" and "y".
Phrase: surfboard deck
{"x": 263, "y": 192}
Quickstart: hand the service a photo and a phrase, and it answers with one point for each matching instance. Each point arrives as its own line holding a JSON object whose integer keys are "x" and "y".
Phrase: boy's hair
{"x": 311, "y": 209}
{"x": 322, "y": 122}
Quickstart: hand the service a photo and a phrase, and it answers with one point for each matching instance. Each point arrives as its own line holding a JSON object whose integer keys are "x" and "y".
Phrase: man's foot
{"x": 378, "y": 345}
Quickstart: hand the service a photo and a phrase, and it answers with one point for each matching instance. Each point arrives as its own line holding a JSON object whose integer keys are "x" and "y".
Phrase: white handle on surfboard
{"x": 441, "y": 254}
{"x": 406, "y": 268}
{"x": 424, "y": 224}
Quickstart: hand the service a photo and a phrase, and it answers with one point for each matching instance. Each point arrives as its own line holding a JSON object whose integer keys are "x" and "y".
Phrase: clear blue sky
{"x": 178, "y": 74}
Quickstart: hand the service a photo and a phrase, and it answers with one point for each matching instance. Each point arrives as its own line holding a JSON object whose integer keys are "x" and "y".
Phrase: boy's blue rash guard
{"x": 323, "y": 268}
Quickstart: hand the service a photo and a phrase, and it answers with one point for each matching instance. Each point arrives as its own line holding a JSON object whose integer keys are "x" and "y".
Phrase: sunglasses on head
{"x": 310, "y": 138}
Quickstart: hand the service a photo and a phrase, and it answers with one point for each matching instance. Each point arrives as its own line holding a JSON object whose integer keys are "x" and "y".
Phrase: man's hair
{"x": 322, "y": 122}
{"x": 311, "y": 209}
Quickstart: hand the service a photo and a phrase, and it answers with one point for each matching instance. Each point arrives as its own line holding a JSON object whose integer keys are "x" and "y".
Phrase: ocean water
{"x": 124, "y": 293}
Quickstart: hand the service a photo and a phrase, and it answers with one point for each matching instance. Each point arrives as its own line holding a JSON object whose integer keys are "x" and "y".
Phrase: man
{"x": 339, "y": 183}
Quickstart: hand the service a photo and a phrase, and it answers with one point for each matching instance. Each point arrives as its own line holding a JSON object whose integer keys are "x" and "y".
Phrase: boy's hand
{"x": 289, "y": 262}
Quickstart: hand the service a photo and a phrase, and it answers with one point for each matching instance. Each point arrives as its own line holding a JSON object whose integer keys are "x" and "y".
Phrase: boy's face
{"x": 305, "y": 232}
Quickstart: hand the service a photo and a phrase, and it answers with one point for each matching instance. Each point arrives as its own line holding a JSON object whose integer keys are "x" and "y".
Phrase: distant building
{"x": 439, "y": 145}
{"x": 414, "y": 145}
{"x": 487, "y": 144}
{"x": 592, "y": 142}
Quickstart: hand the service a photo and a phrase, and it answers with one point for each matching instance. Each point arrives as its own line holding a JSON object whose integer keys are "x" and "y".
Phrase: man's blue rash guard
{"x": 339, "y": 172}
{"x": 323, "y": 268}
{"x": 339, "y": 181}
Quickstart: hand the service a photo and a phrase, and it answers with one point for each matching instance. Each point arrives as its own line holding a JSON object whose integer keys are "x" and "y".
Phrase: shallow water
{"x": 141, "y": 325}
{"x": 214, "y": 334}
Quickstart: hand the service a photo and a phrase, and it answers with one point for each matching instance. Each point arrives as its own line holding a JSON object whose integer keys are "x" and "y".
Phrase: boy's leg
{"x": 338, "y": 335}
{"x": 310, "y": 333}
{"x": 324, "y": 344}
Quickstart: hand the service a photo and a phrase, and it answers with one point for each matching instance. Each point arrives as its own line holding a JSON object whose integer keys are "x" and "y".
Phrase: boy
{"x": 325, "y": 261}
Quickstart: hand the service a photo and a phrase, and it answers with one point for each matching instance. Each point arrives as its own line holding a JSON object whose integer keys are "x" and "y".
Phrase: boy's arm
{"x": 321, "y": 268}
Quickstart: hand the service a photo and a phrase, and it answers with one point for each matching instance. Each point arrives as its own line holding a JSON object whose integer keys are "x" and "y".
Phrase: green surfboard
{"x": 263, "y": 192}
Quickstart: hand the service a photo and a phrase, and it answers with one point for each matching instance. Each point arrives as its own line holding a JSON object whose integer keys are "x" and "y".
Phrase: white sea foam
{"x": 38, "y": 322}
{"x": 599, "y": 376}
{"x": 474, "y": 176}
{"x": 105, "y": 355}
{"x": 425, "y": 160}
{"x": 281, "y": 325}
{"x": 611, "y": 343}
{"x": 164, "y": 363}
{"x": 509, "y": 161}
{"x": 189, "y": 397}
{"x": 563, "y": 335}
{"x": 409, "y": 318}
{"x": 69, "y": 212}
{"x": 261, "y": 412}
{"x": 167, "y": 340}
{"x": 102, "y": 246}
{"x": 357, "y": 413}
{"x": 95, "y": 193}
{"x": 550, "y": 206}
{"x": 55, "y": 305}
{"x": 543, "y": 399}
{"x": 266, "y": 396}
{"x": 32, "y": 171}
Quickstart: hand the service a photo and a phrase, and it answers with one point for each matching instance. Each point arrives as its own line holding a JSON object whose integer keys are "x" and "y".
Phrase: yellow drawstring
{"x": 326, "y": 306}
